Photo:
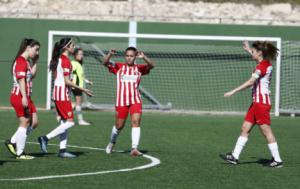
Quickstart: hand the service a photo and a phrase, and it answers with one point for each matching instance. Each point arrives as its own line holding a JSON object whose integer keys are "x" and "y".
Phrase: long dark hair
{"x": 57, "y": 50}
{"x": 269, "y": 51}
{"x": 24, "y": 44}
{"x": 76, "y": 51}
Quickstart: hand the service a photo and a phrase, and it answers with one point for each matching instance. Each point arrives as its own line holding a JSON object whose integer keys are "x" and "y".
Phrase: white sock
{"x": 135, "y": 136}
{"x": 114, "y": 134}
{"x": 20, "y": 140}
{"x": 60, "y": 129}
{"x": 63, "y": 140}
{"x": 78, "y": 112}
{"x": 13, "y": 139}
{"x": 273, "y": 147}
{"x": 29, "y": 129}
{"x": 240, "y": 143}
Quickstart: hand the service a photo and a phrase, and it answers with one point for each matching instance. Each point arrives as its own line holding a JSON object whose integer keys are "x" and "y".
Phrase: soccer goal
{"x": 192, "y": 72}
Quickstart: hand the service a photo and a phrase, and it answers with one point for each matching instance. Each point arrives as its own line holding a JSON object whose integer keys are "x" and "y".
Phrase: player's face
{"x": 130, "y": 57}
{"x": 256, "y": 54}
{"x": 71, "y": 47}
{"x": 33, "y": 51}
{"x": 79, "y": 56}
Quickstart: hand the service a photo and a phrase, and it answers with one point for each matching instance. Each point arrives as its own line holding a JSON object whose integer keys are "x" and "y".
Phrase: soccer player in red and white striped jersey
{"x": 128, "y": 98}
{"x": 259, "y": 111}
{"x": 62, "y": 68}
{"x": 23, "y": 72}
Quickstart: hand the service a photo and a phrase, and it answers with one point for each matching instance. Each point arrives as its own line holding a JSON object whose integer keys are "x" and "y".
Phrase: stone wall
{"x": 152, "y": 10}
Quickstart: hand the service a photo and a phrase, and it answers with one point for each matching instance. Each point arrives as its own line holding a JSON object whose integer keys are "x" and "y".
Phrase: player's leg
{"x": 21, "y": 137}
{"x": 17, "y": 142}
{"x": 120, "y": 119}
{"x": 272, "y": 145}
{"x": 78, "y": 101}
{"x": 33, "y": 120}
{"x": 136, "y": 114}
{"x": 243, "y": 138}
{"x": 264, "y": 121}
{"x": 64, "y": 109}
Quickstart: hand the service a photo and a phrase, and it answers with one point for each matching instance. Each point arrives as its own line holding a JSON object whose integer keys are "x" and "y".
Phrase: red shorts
{"x": 64, "y": 109}
{"x": 259, "y": 114}
{"x": 122, "y": 111}
{"x": 16, "y": 102}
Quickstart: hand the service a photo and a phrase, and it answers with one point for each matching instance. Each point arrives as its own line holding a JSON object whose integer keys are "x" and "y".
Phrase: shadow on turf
{"x": 128, "y": 151}
{"x": 8, "y": 161}
{"x": 261, "y": 161}
{"x": 41, "y": 154}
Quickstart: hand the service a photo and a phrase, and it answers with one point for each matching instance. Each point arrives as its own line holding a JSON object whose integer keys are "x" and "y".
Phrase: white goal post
{"x": 193, "y": 38}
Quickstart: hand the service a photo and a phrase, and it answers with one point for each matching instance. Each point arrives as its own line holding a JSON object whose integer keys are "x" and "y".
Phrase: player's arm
{"x": 34, "y": 67}
{"x": 106, "y": 59}
{"x": 88, "y": 81}
{"x": 22, "y": 85}
{"x": 71, "y": 84}
{"x": 243, "y": 86}
{"x": 247, "y": 47}
{"x": 148, "y": 61}
{"x": 34, "y": 70}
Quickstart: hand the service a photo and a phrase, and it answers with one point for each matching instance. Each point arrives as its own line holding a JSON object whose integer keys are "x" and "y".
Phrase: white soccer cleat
{"x": 109, "y": 148}
{"x": 83, "y": 122}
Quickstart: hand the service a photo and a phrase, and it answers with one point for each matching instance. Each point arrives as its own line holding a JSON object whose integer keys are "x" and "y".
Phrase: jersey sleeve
{"x": 144, "y": 69}
{"x": 259, "y": 71}
{"x": 20, "y": 69}
{"x": 66, "y": 65}
{"x": 114, "y": 68}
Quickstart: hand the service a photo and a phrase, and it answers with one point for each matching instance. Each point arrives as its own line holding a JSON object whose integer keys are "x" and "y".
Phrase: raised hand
{"x": 88, "y": 92}
{"x": 112, "y": 51}
{"x": 140, "y": 54}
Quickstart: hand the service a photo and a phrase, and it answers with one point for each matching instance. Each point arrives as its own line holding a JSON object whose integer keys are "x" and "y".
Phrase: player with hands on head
{"x": 128, "y": 98}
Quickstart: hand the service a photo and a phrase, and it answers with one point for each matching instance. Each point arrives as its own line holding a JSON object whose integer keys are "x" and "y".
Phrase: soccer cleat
{"x": 66, "y": 155}
{"x": 135, "y": 152}
{"x": 24, "y": 157}
{"x": 84, "y": 123}
{"x": 109, "y": 148}
{"x": 229, "y": 158}
{"x": 43, "y": 143}
{"x": 11, "y": 147}
{"x": 274, "y": 164}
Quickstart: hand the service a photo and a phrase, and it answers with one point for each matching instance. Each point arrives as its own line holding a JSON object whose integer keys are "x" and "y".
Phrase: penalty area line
{"x": 154, "y": 162}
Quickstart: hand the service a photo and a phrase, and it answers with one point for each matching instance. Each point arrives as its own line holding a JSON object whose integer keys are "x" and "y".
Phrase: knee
{"x": 245, "y": 132}
{"x": 119, "y": 126}
{"x": 135, "y": 123}
{"x": 35, "y": 124}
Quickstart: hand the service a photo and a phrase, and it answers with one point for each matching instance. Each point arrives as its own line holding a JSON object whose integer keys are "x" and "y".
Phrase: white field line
{"x": 154, "y": 162}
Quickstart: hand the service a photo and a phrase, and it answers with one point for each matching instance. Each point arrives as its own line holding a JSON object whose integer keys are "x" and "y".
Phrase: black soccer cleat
{"x": 274, "y": 164}
{"x": 229, "y": 158}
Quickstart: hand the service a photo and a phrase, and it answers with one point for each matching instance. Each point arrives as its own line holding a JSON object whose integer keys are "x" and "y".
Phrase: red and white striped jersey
{"x": 61, "y": 92}
{"x": 261, "y": 89}
{"x": 128, "y": 80}
{"x": 21, "y": 69}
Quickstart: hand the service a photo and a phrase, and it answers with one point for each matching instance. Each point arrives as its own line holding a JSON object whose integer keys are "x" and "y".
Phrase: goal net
{"x": 191, "y": 72}
{"x": 290, "y": 82}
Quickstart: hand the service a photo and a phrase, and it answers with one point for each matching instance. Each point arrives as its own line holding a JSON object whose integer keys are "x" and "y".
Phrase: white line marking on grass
{"x": 154, "y": 162}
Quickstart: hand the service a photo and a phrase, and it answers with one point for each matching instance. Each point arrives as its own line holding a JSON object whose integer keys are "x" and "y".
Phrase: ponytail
{"x": 269, "y": 51}
{"x": 57, "y": 51}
